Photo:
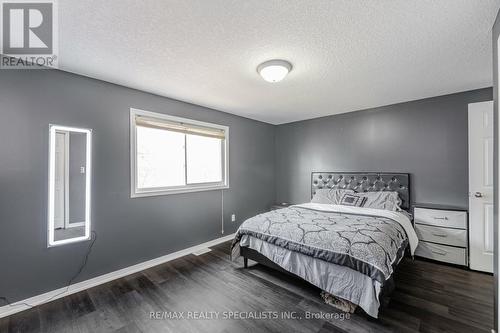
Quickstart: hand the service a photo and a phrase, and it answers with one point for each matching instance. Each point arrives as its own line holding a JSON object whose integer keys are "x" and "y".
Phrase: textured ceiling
{"x": 346, "y": 55}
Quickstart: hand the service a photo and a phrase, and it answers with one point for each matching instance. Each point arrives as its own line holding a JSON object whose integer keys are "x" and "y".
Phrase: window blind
{"x": 180, "y": 127}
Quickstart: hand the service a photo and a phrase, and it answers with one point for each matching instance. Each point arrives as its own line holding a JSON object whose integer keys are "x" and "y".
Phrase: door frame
{"x": 496, "y": 166}
{"x": 66, "y": 177}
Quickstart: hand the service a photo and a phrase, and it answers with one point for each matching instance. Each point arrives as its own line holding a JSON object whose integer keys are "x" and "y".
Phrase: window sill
{"x": 153, "y": 193}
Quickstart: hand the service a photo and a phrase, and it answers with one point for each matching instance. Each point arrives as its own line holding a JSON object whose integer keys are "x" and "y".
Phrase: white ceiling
{"x": 347, "y": 55}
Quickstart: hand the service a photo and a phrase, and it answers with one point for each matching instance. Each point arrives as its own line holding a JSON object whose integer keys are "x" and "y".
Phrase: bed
{"x": 339, "y": 242}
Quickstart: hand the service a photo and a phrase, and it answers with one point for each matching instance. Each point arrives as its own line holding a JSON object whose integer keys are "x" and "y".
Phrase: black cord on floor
{"x": 70, "y": 282}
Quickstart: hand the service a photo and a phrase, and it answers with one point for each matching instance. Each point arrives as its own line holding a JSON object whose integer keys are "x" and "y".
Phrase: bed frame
{"x": 357, "y": 181}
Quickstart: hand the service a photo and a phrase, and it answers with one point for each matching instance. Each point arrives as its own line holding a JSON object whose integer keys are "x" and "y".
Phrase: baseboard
{"x": 16, "y": 307}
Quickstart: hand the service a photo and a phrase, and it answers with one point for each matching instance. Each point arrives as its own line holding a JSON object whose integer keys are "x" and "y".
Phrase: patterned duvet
{"x": 363, "y": 239}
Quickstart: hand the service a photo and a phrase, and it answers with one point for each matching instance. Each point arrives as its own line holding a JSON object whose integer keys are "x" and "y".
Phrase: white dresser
{"x": 442, "y": 234}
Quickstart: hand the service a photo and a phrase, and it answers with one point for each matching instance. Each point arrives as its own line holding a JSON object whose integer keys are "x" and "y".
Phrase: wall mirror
{"x": 69, "y": 184}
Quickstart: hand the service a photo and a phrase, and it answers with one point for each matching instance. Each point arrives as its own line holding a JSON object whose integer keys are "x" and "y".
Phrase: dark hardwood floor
{"x": 428, "y": 298}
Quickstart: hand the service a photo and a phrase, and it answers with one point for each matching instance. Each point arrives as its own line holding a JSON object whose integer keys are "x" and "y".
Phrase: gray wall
{"x": 77, "y": 159}
{"x": 426, "y": 138}
{"x": 129, "y": 230}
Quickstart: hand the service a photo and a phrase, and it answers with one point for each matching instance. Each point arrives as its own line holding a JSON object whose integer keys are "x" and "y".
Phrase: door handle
{"x": 478, "y": 195}
{"x": 439, "y": 235}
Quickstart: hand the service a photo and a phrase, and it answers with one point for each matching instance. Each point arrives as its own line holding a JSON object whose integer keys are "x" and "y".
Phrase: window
{"x": 175, "y": 155}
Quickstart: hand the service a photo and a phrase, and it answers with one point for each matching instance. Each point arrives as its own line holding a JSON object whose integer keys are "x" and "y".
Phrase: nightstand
{"x": 281, "y": 205}
{"x": 442, "y": 232}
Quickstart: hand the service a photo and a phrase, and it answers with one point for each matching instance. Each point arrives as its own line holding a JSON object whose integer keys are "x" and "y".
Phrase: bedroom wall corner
{"x": 426, "y": 138}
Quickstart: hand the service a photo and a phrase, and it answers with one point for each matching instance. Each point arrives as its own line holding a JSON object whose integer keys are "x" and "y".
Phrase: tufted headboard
{"x": 365, "y": 182}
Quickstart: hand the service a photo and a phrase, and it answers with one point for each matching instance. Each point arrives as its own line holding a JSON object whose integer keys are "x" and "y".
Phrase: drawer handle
{"x": 441, "y": 218}
{"x": 439, "y": 235}
{"x": 440, "y": 253}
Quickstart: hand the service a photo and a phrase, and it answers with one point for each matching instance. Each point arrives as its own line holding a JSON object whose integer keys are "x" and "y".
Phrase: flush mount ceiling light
{"x": 274, "y": 70}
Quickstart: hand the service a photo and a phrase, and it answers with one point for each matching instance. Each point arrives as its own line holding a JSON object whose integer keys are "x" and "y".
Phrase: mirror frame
{"x": 51, "y": 193}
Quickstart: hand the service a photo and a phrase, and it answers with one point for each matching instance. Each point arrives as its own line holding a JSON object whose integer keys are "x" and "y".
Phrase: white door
{"x": 481, "y": 186}
{"x": 60, "y": 186}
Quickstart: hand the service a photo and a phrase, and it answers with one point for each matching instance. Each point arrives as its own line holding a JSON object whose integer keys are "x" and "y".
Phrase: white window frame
{"x": 135, "y": 192}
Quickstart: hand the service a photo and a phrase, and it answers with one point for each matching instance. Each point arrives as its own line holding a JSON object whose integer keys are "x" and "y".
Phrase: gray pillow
{"x": 387, "y": 200}
{"x": 329, "y": 196}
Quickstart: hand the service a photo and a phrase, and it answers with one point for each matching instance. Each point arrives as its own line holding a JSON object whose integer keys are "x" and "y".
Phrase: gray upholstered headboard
{"x": 365, "y": 182}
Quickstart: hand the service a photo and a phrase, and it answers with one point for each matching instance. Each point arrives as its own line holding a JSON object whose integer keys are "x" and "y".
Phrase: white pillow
{"x": 387, "y": 200}
{"x": 330, "y": 196}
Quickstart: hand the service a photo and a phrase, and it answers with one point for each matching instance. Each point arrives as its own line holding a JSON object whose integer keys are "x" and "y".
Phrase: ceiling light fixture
{"x": 274, "y": 70}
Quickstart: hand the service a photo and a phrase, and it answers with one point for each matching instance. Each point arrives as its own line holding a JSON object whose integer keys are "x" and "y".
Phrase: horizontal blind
{"x": 180, "y": 127}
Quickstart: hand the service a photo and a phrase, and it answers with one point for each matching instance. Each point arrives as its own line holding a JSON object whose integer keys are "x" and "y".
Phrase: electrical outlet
{"x": 233, "y": 217}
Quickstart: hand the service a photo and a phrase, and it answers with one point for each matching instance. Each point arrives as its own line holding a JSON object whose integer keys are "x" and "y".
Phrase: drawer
{"x": 456, "y": 237}
{"x": 441, "y": 218}
{"x": 449, "y": 254}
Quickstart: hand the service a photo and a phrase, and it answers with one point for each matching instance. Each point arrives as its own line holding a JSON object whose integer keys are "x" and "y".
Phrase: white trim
{"x": 75, "y": 224}
{"x": 202, "y": 251}
{"x": 50, "y": 224}
{"x": 65, "y": 204}
{"x": 16, "y": 307}
{"x": 497, "y": 157}
{"x": 182, "y": 190}
{"x": 135, "y": 192}
{"x": 66, "y": 177}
